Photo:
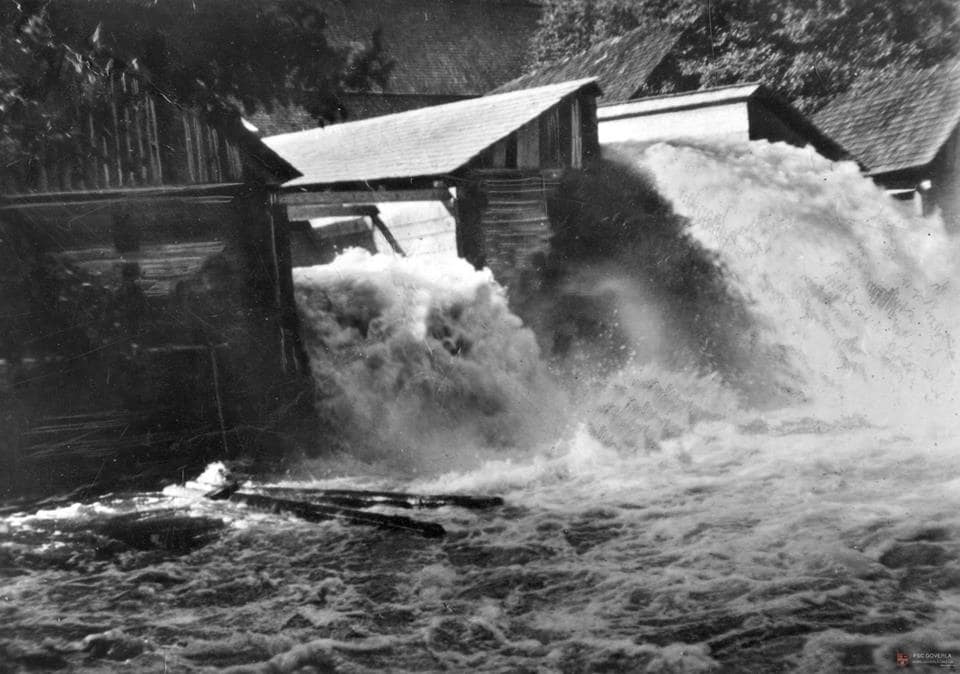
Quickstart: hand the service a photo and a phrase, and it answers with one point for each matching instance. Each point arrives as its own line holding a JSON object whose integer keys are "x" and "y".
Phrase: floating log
{"x": 362, "y": 498}
{"x": 315, "y": 512}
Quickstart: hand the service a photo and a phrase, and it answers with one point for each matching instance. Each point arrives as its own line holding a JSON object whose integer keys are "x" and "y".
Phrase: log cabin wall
{"x": 502, "y": 207}
{"x": 153, "y": 269}
{"x": 153, "y": 326}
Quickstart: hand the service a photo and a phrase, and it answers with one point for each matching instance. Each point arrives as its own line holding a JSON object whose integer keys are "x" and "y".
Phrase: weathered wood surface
{"x": 353, "y": 498}
{"x": 316, "y": 512}
{"x": 119, "y": 142}
{"x": 146, "y": 331}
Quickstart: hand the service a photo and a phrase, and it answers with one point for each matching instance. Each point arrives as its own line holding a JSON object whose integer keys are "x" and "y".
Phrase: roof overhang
{"x": 423, "y": 143}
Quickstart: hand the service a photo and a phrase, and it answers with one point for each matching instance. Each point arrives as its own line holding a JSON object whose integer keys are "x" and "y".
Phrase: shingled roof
{"x": 621, "y": 65}
{"x": 427, "y": 142}
{"x": 899, "y": 123}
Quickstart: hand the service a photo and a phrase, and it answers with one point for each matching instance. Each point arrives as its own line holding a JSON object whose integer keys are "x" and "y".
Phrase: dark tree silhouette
{"x": 215, "y": 55}
{"x": 808, "y": 50}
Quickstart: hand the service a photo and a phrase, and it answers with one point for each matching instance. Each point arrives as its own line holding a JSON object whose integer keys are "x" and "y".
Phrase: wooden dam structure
{"x": 150, "y": 322}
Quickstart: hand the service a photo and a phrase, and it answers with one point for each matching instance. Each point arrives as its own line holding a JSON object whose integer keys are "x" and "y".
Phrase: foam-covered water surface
{"x": 657, "y": 518}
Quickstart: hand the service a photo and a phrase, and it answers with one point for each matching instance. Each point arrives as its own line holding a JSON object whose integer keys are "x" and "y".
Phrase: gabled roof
{"x": 899, "y": 123}
{"x": 419, "y": 143}
{"x": 621, "y": 65}
{"x": 360, "y": 105}
{"x": 441, "y": 47}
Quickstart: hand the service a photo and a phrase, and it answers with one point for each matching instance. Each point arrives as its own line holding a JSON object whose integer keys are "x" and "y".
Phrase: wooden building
{"x": 150, "y": 317}
{"x": 739, "y": 112}
{"x": 905, "y": 132}
{"x": 501, "y": 154}
{"x": 630, "y": 67}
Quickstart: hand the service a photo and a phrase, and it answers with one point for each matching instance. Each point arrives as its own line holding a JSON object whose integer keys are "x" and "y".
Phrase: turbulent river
{"x": 791, "y": 503}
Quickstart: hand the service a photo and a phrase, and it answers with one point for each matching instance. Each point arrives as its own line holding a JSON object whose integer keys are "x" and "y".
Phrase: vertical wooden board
{"x": 564, "y": 133}
{"x": 136, "y": 120}
{"x": 117, "y": 163}
{"x": 92, "y": 145}
{"x": 156, "y": 156}
{"x": 188, "y": 157}
{"x": 550, "y": 139}
{"x": 130, "y": 172}
{"x": 589, "y": 130}
{"x": 215, "y": 155}
{"x": 498, "y": 156}
{"x": 200, "y": 163}
{"x": 576, "y": 137}
{"x": 528, "y": 145}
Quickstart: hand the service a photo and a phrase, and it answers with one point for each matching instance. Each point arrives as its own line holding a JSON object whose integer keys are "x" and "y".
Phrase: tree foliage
{"x": 808, "y": 50}
{"x": 215, "y": 55}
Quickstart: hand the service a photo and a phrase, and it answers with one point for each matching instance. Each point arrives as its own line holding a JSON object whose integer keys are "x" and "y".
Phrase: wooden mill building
{"x": 632, "y": 67}
{"x": 905, "y": 132}
{"x": 741, "y": 112}
{"x": 146, "y": 277}
{"x": 492, "y": 161}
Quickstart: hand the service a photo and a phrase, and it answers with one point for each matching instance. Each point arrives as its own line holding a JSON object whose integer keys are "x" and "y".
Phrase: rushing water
{"x": 658, "y": 518}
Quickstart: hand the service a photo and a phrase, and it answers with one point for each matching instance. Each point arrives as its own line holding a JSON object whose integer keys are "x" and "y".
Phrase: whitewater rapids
{"x": 658, "y": 519}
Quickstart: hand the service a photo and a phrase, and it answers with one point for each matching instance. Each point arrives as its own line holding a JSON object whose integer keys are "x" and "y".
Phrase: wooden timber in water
{"x": 329, "y": 510}
{"x": 352, "y": 498}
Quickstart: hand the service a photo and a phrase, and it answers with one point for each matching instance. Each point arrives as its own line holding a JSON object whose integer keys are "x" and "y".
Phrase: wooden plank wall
{"x": 129, "y": 138}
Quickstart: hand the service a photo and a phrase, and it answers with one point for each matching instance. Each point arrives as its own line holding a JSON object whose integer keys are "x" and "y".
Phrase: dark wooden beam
{"x": 310, "y": 211}
{"x": 364, "y": 197}
{"x": 229, "y": 190}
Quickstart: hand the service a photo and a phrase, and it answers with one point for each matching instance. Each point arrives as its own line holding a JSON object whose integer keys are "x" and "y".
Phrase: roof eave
{"x": 804, "y": 124}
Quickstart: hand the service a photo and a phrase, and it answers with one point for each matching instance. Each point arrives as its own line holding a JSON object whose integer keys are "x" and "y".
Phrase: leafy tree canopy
{"x": 212, "y": 54}
{"x": 808, "y": 50}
